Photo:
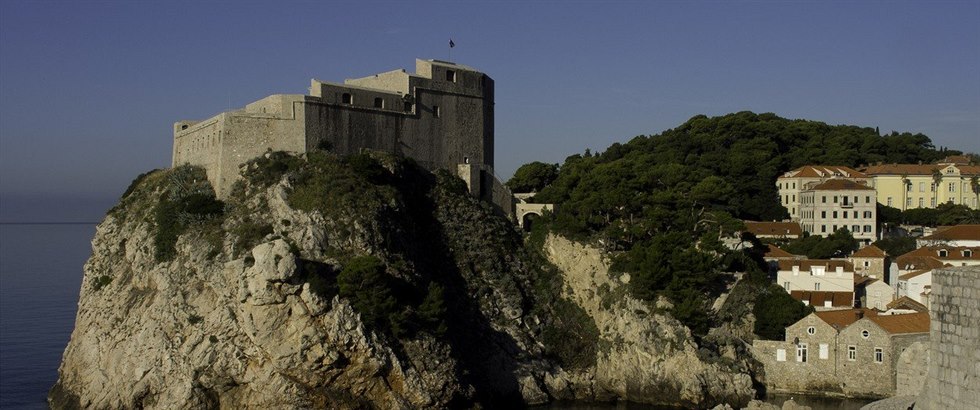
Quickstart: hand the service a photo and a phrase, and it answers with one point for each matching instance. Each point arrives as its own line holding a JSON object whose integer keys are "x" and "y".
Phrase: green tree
{"x": 532, "y": 177}
{"x": 364, "y": 282}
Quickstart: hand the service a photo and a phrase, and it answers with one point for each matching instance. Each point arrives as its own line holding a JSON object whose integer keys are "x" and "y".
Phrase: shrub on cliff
{"x": 187, "y": 199}
{"x": 364, "y": 282}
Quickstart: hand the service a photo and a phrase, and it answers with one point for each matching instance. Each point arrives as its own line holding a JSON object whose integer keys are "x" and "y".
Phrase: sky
{"x": 89, "y": 90}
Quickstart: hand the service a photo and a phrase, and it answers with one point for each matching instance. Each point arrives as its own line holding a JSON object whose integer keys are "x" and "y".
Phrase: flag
{"x": 451, "y": 43}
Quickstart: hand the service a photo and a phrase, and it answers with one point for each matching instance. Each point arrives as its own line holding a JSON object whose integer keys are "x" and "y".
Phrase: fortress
{"x": 441, "y": 116}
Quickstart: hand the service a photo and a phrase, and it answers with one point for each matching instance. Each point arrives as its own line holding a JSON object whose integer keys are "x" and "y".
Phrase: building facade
{"x": 852, "y": 352}
{"x": 442, "y": 116}
{"x": 839, "y": 204}
{"x": 956, "y": 235}
{"x": 793, "y": 183}
{"x": 825, "y": 275}
{"x": 910, "y": 186}
{"x": 869, "y": 261}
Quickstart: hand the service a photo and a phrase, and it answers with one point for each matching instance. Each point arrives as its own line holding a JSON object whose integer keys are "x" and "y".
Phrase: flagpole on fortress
{"x": 451, "y": 45}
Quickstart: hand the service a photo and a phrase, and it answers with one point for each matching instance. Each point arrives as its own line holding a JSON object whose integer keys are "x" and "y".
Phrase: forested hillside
{"x": 659, "y": 203}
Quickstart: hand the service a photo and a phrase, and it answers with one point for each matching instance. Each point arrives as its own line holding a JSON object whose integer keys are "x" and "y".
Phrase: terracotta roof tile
{"x": 819, "y": 297}
{"x": 842, "y": 318}
{"x": 913, "y": 274}
{"x": 910, "y": 323}
{"x": 955, "y": 232}
{"x": 869, "y": 251}
{"x": 915, "y": 262}
{"x": 838, "y": 184}
{"x": 955, "y": 159}
{"x": 952, "y": 253}
{"x": 916, "y": 169}
{"x": 774, "y": 228}
{"x": 824, "y": 171}
{"x": 775, "y": 252}
{"x": 906, "y": 302}
{"x": 806, "y": 264}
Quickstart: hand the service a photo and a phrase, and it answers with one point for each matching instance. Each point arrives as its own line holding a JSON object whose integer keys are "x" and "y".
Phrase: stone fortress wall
{"x": 953, "y": 380}
{"x": 442, "y": 116}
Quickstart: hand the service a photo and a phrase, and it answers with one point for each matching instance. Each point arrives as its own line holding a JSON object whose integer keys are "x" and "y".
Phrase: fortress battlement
{"x": 441, "y": 116}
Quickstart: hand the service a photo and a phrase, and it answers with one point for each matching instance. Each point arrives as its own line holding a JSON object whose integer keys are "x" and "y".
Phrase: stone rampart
{"x": 954, "y": 358}
{"x": 912, "y": 369}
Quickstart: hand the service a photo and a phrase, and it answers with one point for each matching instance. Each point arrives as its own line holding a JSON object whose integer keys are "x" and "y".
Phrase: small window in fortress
{"x": 435, "y": 111}
{"x": 183, "y": 127}
{"x": 347, "y": 98}
{"x": 379, "y": 102}
{"x": 451, "y": 76}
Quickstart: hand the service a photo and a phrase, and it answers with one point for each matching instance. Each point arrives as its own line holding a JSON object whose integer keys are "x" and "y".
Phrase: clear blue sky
{"x": 89, "y": 89}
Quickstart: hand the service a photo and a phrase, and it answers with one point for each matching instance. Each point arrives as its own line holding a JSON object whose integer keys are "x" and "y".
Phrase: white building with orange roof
{"x": 839, "y": 203}
{"x": 956, "y": 235}
{"x": 827, "y": 275}
{"x": 793, "y": 183}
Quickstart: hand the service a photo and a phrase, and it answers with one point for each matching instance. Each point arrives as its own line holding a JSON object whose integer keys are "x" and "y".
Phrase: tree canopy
{"x": 532, "y": 177}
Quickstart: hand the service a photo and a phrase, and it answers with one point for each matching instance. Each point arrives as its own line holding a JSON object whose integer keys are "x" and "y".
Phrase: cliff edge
{"x": 353, "y": 282}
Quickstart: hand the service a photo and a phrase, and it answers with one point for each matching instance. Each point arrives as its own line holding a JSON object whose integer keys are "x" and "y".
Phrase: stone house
{"x": 869, "y": 348}
{"x": 873, "y": 293}
{"x": 869, "y": 261}
{"x": 852, "y": 352}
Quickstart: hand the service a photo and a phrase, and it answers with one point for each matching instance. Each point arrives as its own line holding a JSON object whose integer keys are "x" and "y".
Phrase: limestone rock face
{"x": 651, "y": 357}
{"x": 236, "y": 316}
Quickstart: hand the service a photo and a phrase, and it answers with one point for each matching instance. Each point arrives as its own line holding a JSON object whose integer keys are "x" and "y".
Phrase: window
{"x": 347, "y": 98}
{"x": 811, "y": 330}
{"x": 867, "y": 199}
{"x": 865, "y": 334}
{"x": 867, "y": 214}
{"x": 823, "y": 214}
{"x": 952, "y": 187}
{"x": 786, "y": 286}
{"x": 855, "y": 228}
{"x": 794, "y": 185}
{"x": 943, "y": 253}
{"x": 852, "y": 353}
{"x": 780, "y": 355}
{"x": 921, "y": 202}
{"x": 835, "y": 214}
{"x": 879, "y": 355}
{"x": 435, "y": 111}
{"x": 379, "y": 102}
{"x": 908, "y": 187}
{"x": 801, "y": 353}
{"x": 451, "y": 76}
{"x": 867, "y": 263}
{"x": 835, "y": 228}
{"x": 932, "y": 187}
{"x": 835, "y": 199}
{"x": 908, "y": 201}
{"x": 933, "y": 202}
{"x": 867, "y": 228}
{"x": 922, "y": 187}
{"x": 823, "y": 228}
{"x": 824, "y": 351}
{"x": 816, "y": 286}
{"x": 824, "y": 198}
{"x": 967, "y": 253}
{"x": 890, "y": 201}
{"x": 794, "y": 198}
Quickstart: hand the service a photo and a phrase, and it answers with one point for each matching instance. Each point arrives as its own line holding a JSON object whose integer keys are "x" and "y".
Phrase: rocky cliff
{"x": 357, "y": 282}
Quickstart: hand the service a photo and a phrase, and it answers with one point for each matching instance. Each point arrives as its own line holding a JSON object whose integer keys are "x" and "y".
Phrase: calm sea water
{"x": 40, "y": 276}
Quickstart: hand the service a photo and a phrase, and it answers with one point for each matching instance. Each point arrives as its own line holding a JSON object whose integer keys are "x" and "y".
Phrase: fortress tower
{"x": 441, "y": 116}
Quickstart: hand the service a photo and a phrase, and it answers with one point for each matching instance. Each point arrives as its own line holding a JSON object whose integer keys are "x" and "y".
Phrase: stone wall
{"x": 786, "y": 372}
{"x": 912, "y": 368}
{"x": 954, "y": 365}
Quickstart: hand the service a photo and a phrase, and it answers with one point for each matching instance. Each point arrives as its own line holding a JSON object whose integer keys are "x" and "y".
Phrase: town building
{"x": 826, "y": 275}
{"x": 872, "y": 293}
{"x": 837, "y": 204}
{"x": 904, "y": 305}
{"x": 910, "y": 186}
{"x": 956, "y": 235}
{"x": 791, "y": 184}
{"x": 774, "y": 254}
{"x": 916, "y": 286}
{"x": 852, "y": 352}
{"x": 774, "y": 230}
{"x": 442, "y": 116}
{"x": 869, "y": 261}
{"x": 937, "y": 256}
{"x": 821, "y": 300}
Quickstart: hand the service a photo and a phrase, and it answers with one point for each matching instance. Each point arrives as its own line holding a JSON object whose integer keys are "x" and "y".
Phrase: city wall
{"x": 954, "y": 347}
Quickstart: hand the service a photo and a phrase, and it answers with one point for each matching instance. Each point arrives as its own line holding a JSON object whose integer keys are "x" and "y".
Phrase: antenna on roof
{"x": 451, "y": 45}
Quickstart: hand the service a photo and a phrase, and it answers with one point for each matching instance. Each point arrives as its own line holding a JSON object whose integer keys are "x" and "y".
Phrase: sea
{"x": 40, "y": 277}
